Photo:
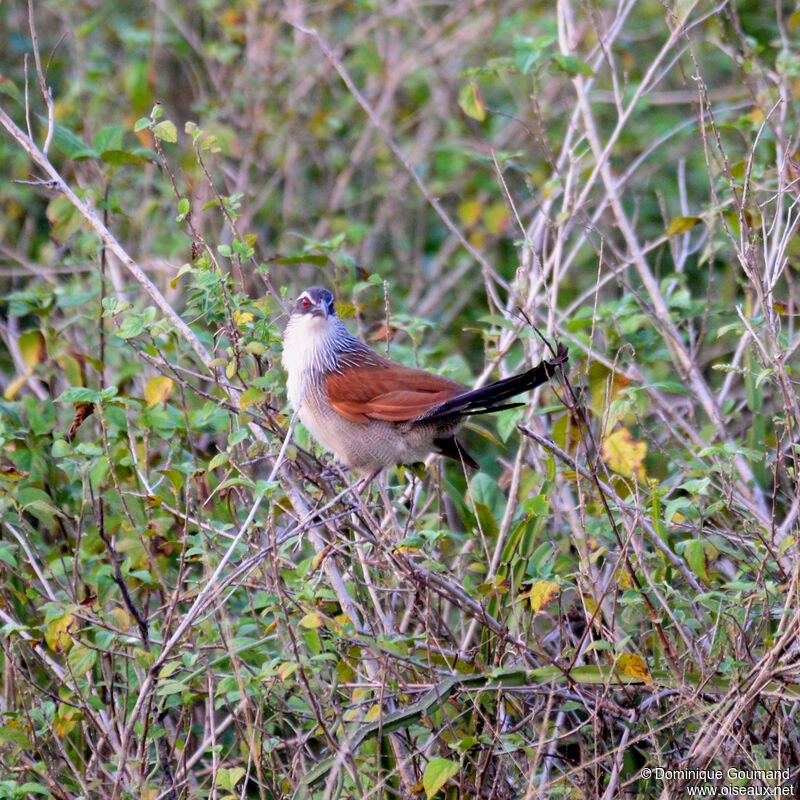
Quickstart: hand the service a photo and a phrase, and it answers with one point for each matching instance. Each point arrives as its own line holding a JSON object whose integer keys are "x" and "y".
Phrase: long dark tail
{"x": 490, "y": 398}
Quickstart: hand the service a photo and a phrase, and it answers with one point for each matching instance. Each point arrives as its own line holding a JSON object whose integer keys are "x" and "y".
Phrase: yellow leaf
{"x": 700, "y": 553}
{"x": 344, "y": 671}
{"x": 542, "y": 593}
{"x": 624, "y": 455}
{"x": 12, "y": 473}
{"x": 312, "y": 620}
{"x": 496, "y": 218}
{"x": 121, "y": 618}
{"x": 566, "y": 433}
{"x": 623, "y": 579}
{"x": 682, "y": 224}
{"x": 166, "y": 131}
{"x": 476, "y": 238}
{"x": 590, "y": 606}
{"x": 286, "y": 670}
{"x": 144, "y": 658}
{"x": 551, "y": 188}
{"x": 606, "y": 387}
{"x": 181, "y": 272}
{"x": 31, "y": 346}
{"x": 634, "y": 667}
{"x": 13, "y": 388}
{"x": 360, "y": 694}
{"x": 256, "y": 348}
{"x": 786, "y": 543}
{"x": 157, "y": 390}
{"x": 57, "y": 633}
{"x": 471, "y": 102}
{"x": 66, "y": 718}
{"x": 251, "y": 396}
{"x": 71, "y": 370}
{"x": 469, "y": 212}
{"x": 241, "y": 318}
{"x": 320, "y": 557}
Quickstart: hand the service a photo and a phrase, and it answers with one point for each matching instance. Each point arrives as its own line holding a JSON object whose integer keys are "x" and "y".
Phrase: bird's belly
{"x": 371, "y": 446}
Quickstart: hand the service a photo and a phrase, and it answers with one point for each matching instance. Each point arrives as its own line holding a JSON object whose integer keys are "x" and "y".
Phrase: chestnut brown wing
{"x": 387, "y": 391}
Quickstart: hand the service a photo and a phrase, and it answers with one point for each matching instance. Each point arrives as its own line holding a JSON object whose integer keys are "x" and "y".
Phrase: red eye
{"x": 305, "y": 302}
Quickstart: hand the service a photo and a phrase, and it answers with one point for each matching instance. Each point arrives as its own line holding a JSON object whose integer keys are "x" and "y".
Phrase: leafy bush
{"x": 194, "y": 604}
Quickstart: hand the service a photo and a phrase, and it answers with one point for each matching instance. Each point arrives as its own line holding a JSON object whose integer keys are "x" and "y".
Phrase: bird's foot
{"x": 334, "y": 472}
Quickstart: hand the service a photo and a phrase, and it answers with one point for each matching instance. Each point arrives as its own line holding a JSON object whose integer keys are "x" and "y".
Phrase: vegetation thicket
{"x": 194, "y": 602}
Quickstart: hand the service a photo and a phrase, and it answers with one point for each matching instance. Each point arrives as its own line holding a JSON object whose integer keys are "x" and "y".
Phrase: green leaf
{"x": 109, "y": 138}
{"x": 117, "y": 157}
{"x": 7, "y": 555}
{"x": 171, "y": 687}
{"x": 486, "y": 492}
{"x": 15, "y": 736}
{"x": 61, "y": 449}
{"x": 81, "y": 659}
{"x": 487, "y": 522}
{"x": 10, "y": 89}
{"x": 141, "y": 124}
{"x": 68, "y": 142}
{"x": 79, "y": 394}
{"x": 471, "y": 102}
{"x": 235, "y": 482}
{"x": 131, "y": 326}
{"x": 436, "y": 775}
{"x": 99, "y": 472}
{"x": 306, "y": 259}
{"x": 699, "y": 553}
{"x": 218, "y": 460}
{"x": 146, "y": 153}
{"x": 228, "y": 778}
{"x": 507, "y": 421}
{"x": 34, "y": 788}
{"x": 572, "y": 66}
{"x": 680, "y": 505}
{"x": 529, "y": 51}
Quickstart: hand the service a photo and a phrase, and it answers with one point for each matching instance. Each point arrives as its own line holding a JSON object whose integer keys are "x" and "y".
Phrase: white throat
{"x": 308, "y": 352}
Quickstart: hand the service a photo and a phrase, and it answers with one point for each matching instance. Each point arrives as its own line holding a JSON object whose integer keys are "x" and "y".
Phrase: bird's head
{"x": 315, "y": 335}
{"x": 316, "y": 302}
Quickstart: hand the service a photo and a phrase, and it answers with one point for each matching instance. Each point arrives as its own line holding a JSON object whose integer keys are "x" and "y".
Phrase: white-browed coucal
{"x": 371, "y": 412}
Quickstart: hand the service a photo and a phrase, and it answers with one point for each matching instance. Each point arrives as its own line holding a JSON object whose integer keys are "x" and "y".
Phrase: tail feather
{"x": 452, "y": 448}
{"x": 490, "y": 398}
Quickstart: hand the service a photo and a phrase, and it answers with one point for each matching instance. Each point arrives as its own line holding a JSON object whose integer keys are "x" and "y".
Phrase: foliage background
{"x": 190, "y": 606}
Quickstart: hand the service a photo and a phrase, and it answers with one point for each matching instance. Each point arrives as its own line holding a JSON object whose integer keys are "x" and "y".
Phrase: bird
{"x": 371, "y": 412}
